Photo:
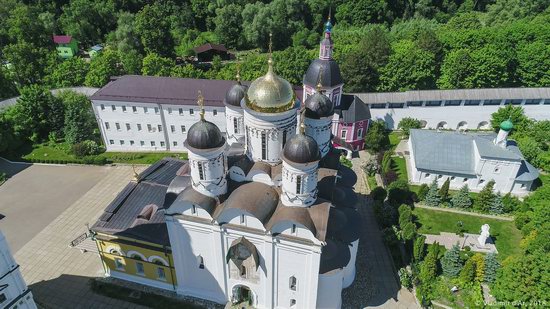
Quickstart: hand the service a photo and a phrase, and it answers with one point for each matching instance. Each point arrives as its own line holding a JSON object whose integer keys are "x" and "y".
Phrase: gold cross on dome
{"x": 200, "y": 102}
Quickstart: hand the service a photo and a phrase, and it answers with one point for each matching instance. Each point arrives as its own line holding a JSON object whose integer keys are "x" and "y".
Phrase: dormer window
{"x": 148, "y": 212}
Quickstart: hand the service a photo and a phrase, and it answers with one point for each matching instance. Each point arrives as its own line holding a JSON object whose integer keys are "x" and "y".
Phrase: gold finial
{"x": 238, "y": 76}
{"x": 270, "y": 59}
{"x": 136, "y": 175}
{"x": 319, "y": 79}
{"x": 200, "y": 102}
{"x": 329, "y": 12}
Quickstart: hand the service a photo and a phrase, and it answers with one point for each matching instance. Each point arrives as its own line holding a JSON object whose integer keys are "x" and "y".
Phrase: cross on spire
{"x": 200, "y": 102}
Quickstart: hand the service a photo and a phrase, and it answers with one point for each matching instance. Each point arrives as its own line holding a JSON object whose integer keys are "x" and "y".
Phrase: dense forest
{"x": 380, "y": 45}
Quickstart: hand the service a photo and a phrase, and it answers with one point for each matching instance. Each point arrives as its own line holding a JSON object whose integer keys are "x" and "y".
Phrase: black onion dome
{"x": 331, "y": 73}
{"x": 318, "y": 106}
{"x": 301, "y": 149}
{"x": 204, "y": 135}
{"x": 235, "y": 94}
{"x": 334, "y": 255}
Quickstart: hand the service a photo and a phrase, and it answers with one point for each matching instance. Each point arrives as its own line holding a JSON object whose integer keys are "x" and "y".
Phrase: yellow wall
{"x": 150, "y": 269}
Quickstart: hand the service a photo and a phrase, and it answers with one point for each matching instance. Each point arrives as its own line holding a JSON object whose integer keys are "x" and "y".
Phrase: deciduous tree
{"x": 71, "y": 72}
{"x": 408, "y": 123}
{"x": 79, "y": 118}
{"x": 155, "y": 65}
{"x": 102, "y": 68}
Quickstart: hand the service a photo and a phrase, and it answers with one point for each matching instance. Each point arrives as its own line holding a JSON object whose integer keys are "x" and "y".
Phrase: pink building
{"x": 351, "y": 115}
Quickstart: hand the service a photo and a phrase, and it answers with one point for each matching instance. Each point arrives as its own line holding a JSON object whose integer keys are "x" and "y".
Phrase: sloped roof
{"x": 62, "y": 39}
{"x": 121, "y": 215}
{"x": 352, "y": 109}
{"x": 209, "y": 46}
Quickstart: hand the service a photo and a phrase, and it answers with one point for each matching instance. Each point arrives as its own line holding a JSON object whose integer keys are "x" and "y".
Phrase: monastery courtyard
{"x": 59, "y": 275}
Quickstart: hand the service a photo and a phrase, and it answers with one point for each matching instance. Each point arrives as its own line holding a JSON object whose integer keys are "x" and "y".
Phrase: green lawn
{"x": 505, "y": 234}
{"x": 60, "y": 153}
{"x": 395, "y": 138}
{"x": 400, "y": 167}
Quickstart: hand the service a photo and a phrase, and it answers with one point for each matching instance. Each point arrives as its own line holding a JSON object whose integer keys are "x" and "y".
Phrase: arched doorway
{"x": 243, "y": 297}
{"x": 484, "y": 125}
{"x": 442, "y": 125}
{"x": 462, "y": 126}
{"x": 423, "y": 123}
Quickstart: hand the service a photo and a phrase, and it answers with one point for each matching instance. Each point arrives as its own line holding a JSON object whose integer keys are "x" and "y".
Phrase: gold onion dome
{"x": 270, "y": 93}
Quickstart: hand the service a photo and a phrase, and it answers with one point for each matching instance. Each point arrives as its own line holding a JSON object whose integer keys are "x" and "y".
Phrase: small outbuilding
{"x": 67, "y": 46}
{"x": 206, "y": 52}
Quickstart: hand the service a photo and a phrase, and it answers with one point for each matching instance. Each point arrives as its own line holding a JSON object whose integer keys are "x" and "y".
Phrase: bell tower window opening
{"x": 264, "y": 146}
{"x": 284, "y": 138}
{"x": 201, "y": 262}
{"x": 299, "y": 184}
{"x": 243, "y": 271}
{"x": 236, "y": 125}
{"x": 201, "y": 170}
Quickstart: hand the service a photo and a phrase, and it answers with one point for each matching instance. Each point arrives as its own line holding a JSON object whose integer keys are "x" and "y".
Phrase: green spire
{"x": 507, "y": 125}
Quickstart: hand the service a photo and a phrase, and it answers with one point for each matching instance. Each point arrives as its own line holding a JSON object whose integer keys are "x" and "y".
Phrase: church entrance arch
{"x": 243, "y": 296}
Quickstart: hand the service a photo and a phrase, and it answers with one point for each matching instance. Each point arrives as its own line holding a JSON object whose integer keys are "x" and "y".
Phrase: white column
{"x": 306, "y": 175}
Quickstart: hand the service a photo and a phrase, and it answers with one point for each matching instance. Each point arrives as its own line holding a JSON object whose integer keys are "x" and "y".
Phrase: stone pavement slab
{"x": 58, "y": 275}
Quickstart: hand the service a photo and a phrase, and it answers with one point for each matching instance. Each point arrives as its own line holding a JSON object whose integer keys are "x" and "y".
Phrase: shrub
{"x": 398, "y": 192}
{"x": 405, "y": 278}
{"x": 378, "y": 194}
{"x": 85, "y": 148}
{"x": 422, "y": 191}
{"x": 371, "y": 167}
{"x": 419, "y": 248}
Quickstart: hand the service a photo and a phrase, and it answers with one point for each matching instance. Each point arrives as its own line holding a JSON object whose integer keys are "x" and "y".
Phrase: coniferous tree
{"x": 419, "y": 248}
{"x": 404, "y": 215}
{"x": 428, "y": 268}
{"x": 496, "y": 207}
{"x": 479, "y": 262}
{"x": 491, "y": 267}
{"x": 451, "y": 262}
{"x": 485, "y": 197}
{"x": 462, "y": 199}
{"x": 432, "y": 197}
{"x": 444, "y": 191}
{"x": 422, "y": 191}
{"x": 468, "y": 273}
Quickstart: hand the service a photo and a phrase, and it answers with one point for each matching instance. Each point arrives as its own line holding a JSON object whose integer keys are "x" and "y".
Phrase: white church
{"x": 264, "y": 215}
{"x": 471, "y": 159}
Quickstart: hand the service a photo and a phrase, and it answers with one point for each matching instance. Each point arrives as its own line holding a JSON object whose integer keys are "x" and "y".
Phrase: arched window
{"x": 299, "y": 184}
{"x": 292, "y": 283}
{"x": 236, "y": 125}
{"x": 200, "y": 260}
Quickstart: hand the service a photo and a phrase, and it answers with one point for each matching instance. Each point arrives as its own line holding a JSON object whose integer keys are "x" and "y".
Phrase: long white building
{"x": 455, "y": 109}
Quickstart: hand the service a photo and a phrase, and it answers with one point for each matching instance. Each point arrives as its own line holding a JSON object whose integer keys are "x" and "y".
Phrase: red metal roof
{"x": 62, "y": 39}
{"x": 209, "y": 46}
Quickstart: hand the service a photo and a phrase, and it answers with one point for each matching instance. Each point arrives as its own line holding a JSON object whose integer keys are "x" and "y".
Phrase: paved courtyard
{"x": 58, "y": 275}
{"x": 36, "y": 194}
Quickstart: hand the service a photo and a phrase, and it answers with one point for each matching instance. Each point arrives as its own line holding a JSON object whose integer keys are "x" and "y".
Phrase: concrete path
{"x": 36, "y": 194}
{"x": 376, "y": 284}
{"x": 58, "y": 275}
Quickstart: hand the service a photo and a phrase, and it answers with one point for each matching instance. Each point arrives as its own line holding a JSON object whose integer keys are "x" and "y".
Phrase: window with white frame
{"x": 131, "y": 143}
{"x": 299, "y": 184}
{"x": 124, "y": 108}
{"x": 107, "y": 126}
{"x": 152, "y": 144}
{"x": 118, "y": 263}
{"x": 156, "y": 110}
{"x": 214, "y": 112}
{"x": 343, "y": 134}
{"x": 159, "y": 127}
{"x": 182, "y": 129}
{"x": 142, "y": 143}
{"x": 140, "y": 270}
{"x": 102, "y": 107}
{"x": 175, "y": 143}
{"x": 145, "y": 110}
{"x": 201, "y": 170}
{"x": 360, "y": 133}
{"x": 161, "y": 275}
{"x": 236, "y": 125}
{"x": 113, "y": 107}
{"x": 191, "y": 111}
{"x": 134, "y": 109}
{"x": 121, "y": 142}
{"x": 264, "y": 146}
{"x": 169, "y": 110}
{"x": 139, "y": 126}
{"x": 292, "y": 283}
{"x": 128, "y": 127}
{"x": 117, "y": 125}
{"x": 181, "y": 111}
{"x": 162, "y": 144}
{"x": 149, "y": 127}
{"x": 172, "y": 128}
{"x": 112, "y": 142}
{"x": 200, "y": 261}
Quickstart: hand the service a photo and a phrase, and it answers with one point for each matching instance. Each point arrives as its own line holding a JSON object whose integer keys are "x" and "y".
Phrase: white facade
{"x": 299, "y": 183}
{"x": 267, "y": 133}
{"x": 320, "y": 130}
{"x": 13, "y": 290}
{"x": 234, "y": 119}
{"x": 132, "y": 126}
{"x": 208, "y": 171}
{"x": 460, "y": 115}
